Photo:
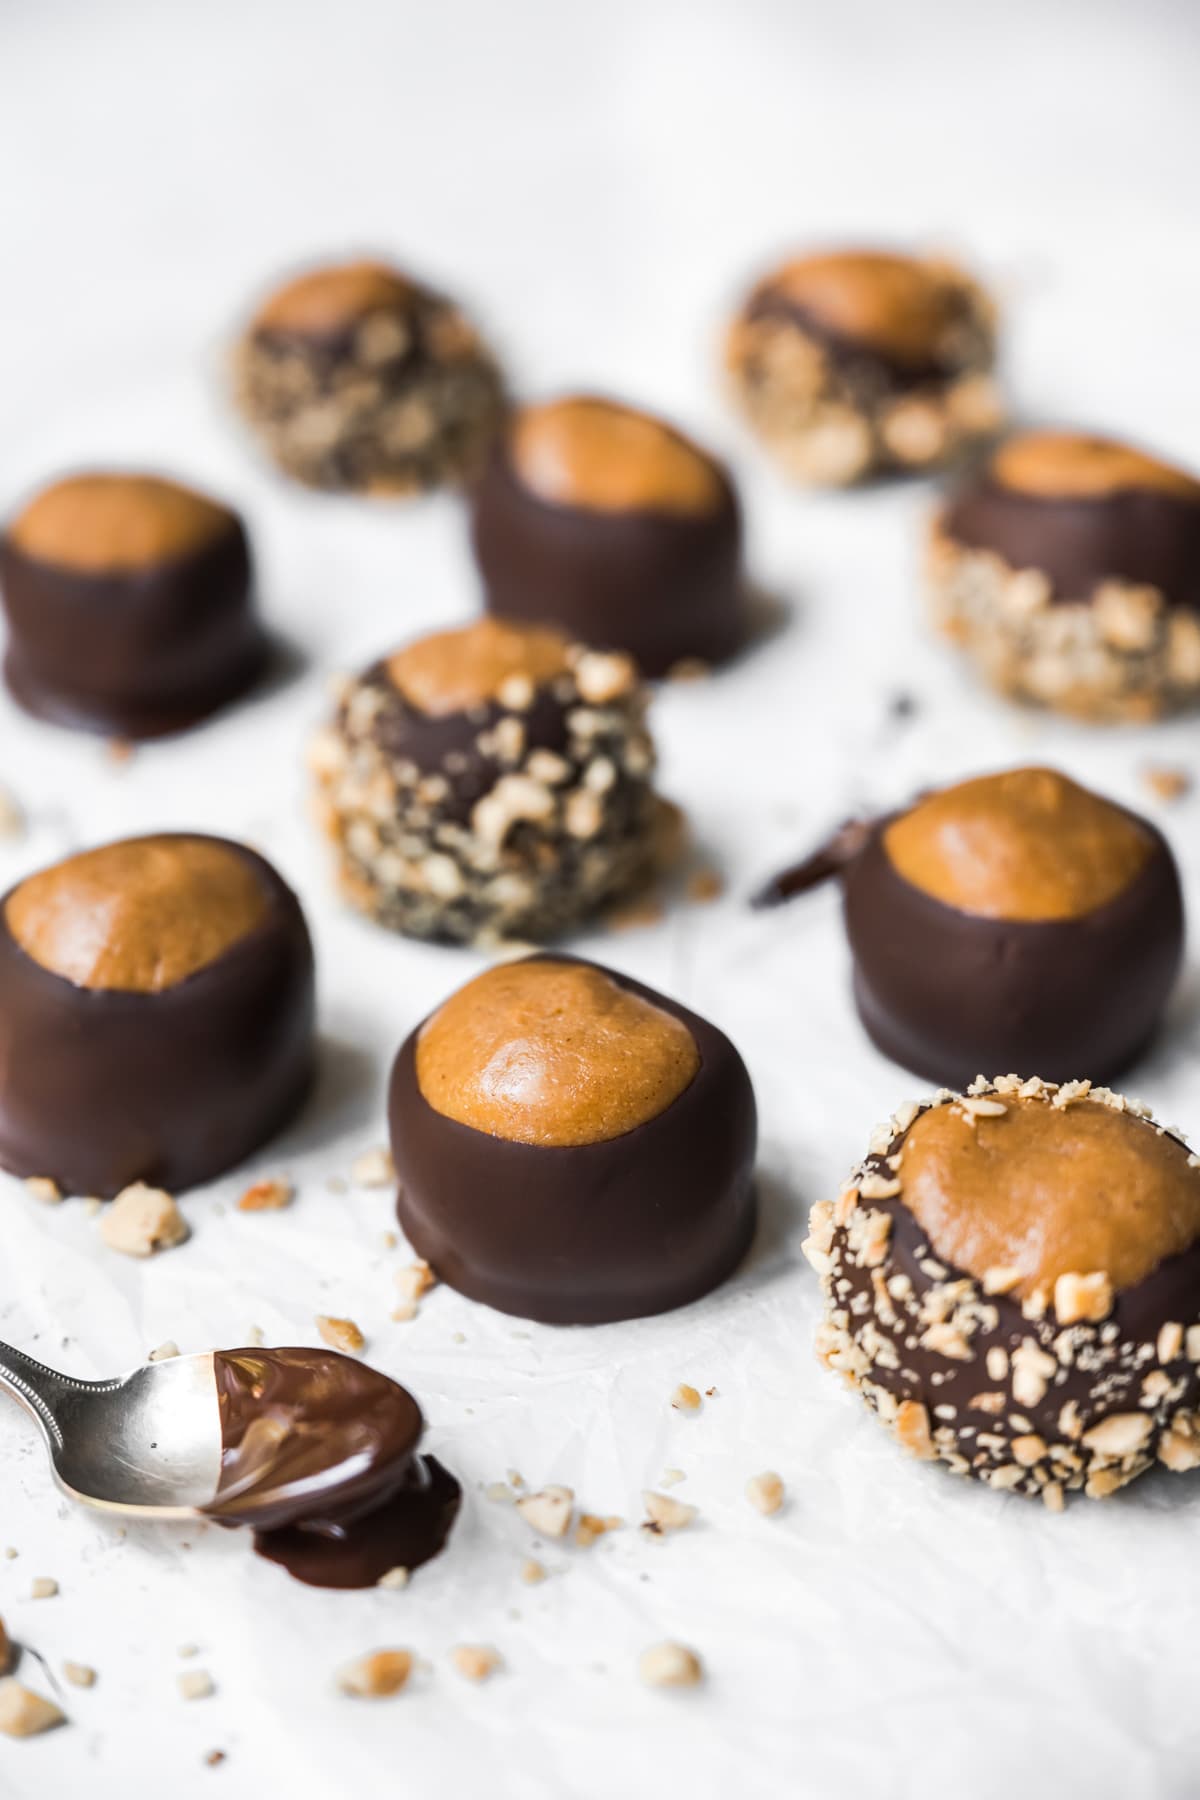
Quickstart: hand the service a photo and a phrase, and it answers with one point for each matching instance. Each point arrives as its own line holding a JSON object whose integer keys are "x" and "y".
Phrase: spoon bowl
{"x": 147, "y": 1442}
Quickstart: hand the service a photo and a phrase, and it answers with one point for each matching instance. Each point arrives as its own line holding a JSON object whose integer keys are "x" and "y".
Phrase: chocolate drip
{"x": 823, "y": 864}
{"x": 319, "y": 1458}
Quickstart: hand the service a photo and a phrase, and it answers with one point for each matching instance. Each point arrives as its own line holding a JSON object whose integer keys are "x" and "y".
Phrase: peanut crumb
{"x": 532, "y": 1571}
{"x": 373, "y": 1677}
{"x": 165, "y": 1352}
{"x": 663, "y": 1513}
{"x": 1167, "y": 781}
{"x": 415, "y": 1280}
{"x": 671, "y": 1478}
{"x": 405, "y": 1311}
{"x": 593, "y": 1525}
{"x": 685, "y": 1398}
{"x": 393, "y": 1578}
{"x": 267, "y": 1196}
{"x": 548, "y": 1511}
{"x": 341, "y": 1334}
{"x": 670, "y": 1665}
{"x": 765, "y": 1492}
{"x": 704, "y": 885}
{"x": 43, "y": 1587}
{"x": 475, "y": 1662}
{"x": 142, "y": 1220}
{"x": 79, "y": 1674}
{"x": 195, "y": 1684}
{"x": 373, "y": 1168}
{"x": 45, "y": 1189}
{"x": 24, "y": 1713}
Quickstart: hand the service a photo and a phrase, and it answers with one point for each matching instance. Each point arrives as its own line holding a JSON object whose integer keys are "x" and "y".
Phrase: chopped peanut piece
{"x": 267, "y": 1196}
{"x": 195, "y": 1684}
{"x": 166, "y": 1352}
{"x": 765, "y": 1492}
{"x": 373, "y": 1677}
{"x": 685, "y": 1398}
{"x": 416, "y": 1280}
{"x": 373, "y": 1169}
{"x": 549, "y": 1511}
{"x": 341, "y": 1334}
{"x": 393, "y": 1578}
{"x": 24, "y": 1713}
{"x": 43, "y": 1188}
{"x": 142, "y": 1220}
{"x": 593, "y": 1525}
{"x": 666, "y": 1514}
{"x": 475, "y": 1662}
{"x": 532, "y": 1571}
{"x": 79, "y": 1674}
{"x": 670, "y": 1665}
{"x": 43, "y": 1587}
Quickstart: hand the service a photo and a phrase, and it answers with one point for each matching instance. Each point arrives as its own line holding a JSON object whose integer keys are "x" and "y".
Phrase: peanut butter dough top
{"x": 113, "y": 523}
{"x": 1066, "y": 465}
{"x": 594, "y": 454}
{"x": 138, "y": 916}
{"x": 1050, "y": 1191}
{"x": 901, "y": 306}
{"x": 326, "y": 300}
{"x": 452, "y": 671}
{"x": 1027, "y": 844}
{"x": 552, "y": 1053}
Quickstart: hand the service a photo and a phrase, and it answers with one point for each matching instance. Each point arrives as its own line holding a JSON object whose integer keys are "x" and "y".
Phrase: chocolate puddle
{"x": 319, "y": 1458}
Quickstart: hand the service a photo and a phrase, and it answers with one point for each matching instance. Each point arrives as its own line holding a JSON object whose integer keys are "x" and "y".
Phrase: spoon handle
{"x": 39, "y": 1389}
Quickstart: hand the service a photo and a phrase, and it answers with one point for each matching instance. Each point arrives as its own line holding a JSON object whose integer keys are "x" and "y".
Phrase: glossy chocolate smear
{"x": 319, "y": 1458}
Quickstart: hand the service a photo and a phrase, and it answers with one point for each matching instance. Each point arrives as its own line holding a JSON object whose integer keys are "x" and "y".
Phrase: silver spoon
{"x": 148, "y": 1442}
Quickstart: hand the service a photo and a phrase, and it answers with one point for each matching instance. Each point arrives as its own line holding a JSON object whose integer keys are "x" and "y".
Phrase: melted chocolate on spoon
{"x": 319, "y": 1458}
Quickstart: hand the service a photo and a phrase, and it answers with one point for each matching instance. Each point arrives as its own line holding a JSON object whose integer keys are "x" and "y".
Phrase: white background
{"x": 596, "y": 182}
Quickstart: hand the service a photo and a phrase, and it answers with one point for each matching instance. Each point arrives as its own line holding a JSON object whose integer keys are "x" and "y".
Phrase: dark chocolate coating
{"x": 868, "y": 364}
{"x": 100, "y": 1088}
{"x": 133, "y": 653}
{"x": 666, "y": 587}
{"x": 1170, "y": 1292}
{"x": 585, "y": 1233}
{"x": 951, "y": 995}
{"x": 342, "y": 1496}
{"x": 403, "y": 731}
{"x": 1141, "y": 535}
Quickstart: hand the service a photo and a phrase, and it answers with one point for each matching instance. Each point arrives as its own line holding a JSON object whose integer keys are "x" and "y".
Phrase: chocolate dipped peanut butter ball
{"x": 1013, "y": 919}
{"x": 571, "y": 1146}
{"x": 1069, "y": 569}
{"x": 613, "y": 526}
{"x": 490, "y": 782}
{"x": 1012, "y": 1282}
{"x": 356, "y": 377}
{"x": 129, "y": 603}
{"x": 856, "y": 362}
{"x": 156, "y": 1013}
